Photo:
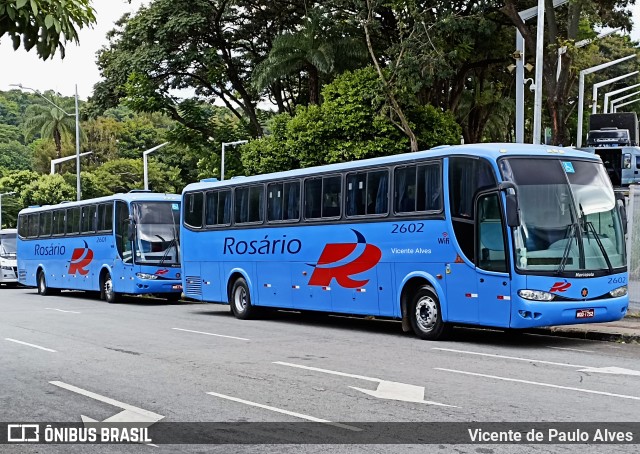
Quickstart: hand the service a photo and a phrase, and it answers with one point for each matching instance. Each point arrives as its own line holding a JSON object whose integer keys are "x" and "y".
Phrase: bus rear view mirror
{"x": 513, "y": 213}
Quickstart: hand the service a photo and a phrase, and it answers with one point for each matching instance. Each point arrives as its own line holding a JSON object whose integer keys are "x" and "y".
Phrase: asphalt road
{"x": 191, "y": 362}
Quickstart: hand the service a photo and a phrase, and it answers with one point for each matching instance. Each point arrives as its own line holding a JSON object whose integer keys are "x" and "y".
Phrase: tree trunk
{"x": 314, "y": 84}
{"x": 57, "y": 138}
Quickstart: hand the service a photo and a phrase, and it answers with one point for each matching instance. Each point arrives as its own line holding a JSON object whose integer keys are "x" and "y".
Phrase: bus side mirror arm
{"x": 512, "y": 208}
{"x": 131, "y": 230}
{"x": 623, "y": 215}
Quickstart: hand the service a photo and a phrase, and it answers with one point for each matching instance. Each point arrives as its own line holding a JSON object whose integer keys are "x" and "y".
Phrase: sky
{"x": 79, "y": 65}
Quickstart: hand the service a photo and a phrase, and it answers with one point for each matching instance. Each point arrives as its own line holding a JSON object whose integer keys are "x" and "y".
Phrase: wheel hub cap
{"x": 426, "y": 313}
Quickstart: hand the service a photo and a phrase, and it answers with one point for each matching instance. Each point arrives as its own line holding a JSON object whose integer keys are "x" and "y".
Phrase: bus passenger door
{"x": 123, "y": 269}
{"x": 494, "y": 283}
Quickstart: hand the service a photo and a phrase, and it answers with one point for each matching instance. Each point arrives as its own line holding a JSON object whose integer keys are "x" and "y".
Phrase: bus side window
{"x": 23, "y": 226}
{"x": 275, "y": 198}
{"x": 491, "y": 253}
{"x": 193, "y": 209}
{"x": 312, "y": 198}
{"x": 33, "y": 225}
{"x": 405, "y": 189}
{"x": 331, "y": 196}
{"x": 73, "y": 221}
{"x": 45, "y": 224}
{"x": 291, "y": 201}
{"x": 88, "y": 219}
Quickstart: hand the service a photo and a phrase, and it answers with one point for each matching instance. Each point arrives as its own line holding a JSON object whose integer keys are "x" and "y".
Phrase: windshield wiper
{"x": 565, "y": 256}
{"x": 600, "y": 245}
{"x": 166, "y": 252}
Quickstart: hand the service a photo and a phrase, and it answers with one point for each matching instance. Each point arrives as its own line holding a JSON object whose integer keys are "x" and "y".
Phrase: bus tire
{"x": 425, "y": 315}
{"x": 173, "y": 297}
{"x": 43, "y": 289}
{"x": 110, "y": 296}
{"x": 240, "y": 300}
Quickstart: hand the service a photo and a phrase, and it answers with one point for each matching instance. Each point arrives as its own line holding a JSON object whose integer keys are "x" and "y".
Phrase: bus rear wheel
{"x": 240, "y": 300}
{"x": 426, "y": 316}
{"x": 43, "y": 289}
{"x": 110, "y": 296}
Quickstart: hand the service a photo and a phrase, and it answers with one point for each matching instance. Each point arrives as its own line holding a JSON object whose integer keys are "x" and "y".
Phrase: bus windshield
{"x": 8, "y": 246}
{"x": 157, "y": 227}
{"x": 569, "y": 218}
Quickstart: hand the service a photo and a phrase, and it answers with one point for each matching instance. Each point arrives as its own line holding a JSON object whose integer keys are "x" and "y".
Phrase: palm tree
{"x": 50, "y": 122}
{"x": 311, "y": 49}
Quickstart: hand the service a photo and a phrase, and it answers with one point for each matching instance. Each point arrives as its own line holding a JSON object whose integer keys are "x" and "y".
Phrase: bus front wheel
{"x": 426, "y": 316}
{"x": 110, "y": 296}
{"x": 240, "y": 300}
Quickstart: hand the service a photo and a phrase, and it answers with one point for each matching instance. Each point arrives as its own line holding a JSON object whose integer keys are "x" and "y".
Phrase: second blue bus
{"x": 121, "y": 244}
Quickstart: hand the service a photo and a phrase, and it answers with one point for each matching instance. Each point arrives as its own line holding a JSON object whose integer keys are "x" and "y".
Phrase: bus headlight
{"x": 536, "y": 295}
{"x": 618, "y": 292}
{"x": 147, "y": 276}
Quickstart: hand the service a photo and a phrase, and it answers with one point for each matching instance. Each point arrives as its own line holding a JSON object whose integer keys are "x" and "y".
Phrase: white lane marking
{"x": 30, "y": 345}
{"x": 140, "y": 414}
{"x": 386, "y": 389}
{"x": 611, "y": 370}
{"x": 60, "y": 310}
{"x": 326, "y": 371}
{"x": 285, "y": 412}
{"x": 572, "y": 349}
{"x": 548, "y": 385}
{"x": 211, "y": 334}
{"x": 515, "y": 358}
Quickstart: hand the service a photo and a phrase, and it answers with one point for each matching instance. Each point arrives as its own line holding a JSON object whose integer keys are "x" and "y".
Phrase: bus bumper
{"x": 157, "y": 286}
{"x": 531, "y": 314}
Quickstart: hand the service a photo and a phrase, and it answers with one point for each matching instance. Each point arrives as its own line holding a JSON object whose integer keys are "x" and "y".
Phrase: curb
{"x": 588, "y": 335}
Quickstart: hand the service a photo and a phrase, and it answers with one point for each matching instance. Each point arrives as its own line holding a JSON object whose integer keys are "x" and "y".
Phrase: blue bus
{"x": 121, "y": 244}
{"x": 500, "y": 235}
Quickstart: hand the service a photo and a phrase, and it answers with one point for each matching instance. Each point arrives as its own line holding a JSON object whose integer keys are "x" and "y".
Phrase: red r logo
{"x": 560, "y": 287}
{"x": 80, "y": 259}
{"x": 332, "y": 253}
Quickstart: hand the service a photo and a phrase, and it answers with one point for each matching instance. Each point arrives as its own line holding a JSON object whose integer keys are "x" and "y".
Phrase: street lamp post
{"x": 537, "y": 106}
{"x": 520, "y": 81}
{"x": 145, "y": 161}
{"x": 68, "y": 158}
{"x": 1, "y": 195}
{"x": 583, "y": 73}
{"x": 614, "y": 102}
{"x": 615, "y": 108}
{"x": 77, "y": 117}
{"x": 224, "y": 144}
{"x": 615, "y": 92}
{"x": 607, "y": 82}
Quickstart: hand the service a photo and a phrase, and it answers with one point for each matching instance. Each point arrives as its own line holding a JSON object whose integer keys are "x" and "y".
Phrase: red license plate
{"x": 179, "y": 287}
{"x": 585, "y": 313}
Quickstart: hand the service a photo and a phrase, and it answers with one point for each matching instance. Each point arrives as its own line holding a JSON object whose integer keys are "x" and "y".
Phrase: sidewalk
{"x": 626, "y": 330}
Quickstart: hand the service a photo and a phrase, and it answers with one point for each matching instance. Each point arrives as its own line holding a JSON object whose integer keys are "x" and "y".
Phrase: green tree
{"x": 44, "y": 24}
{"x": 14, "y": 181}
{"x": 50, "y": 122}
{"x": 313, "y": 49}
{"x": 350, "y": 124}
{"x": 15, "y": 156}
{"x": 123, "y": 175}
{"x": 565, "y": 26}
{"x": 47, "y": 190}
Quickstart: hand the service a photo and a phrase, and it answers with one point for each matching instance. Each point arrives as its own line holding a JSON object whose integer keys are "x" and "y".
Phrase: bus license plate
{"x": 179, "y": 287}
{"x": 585, "y": 313}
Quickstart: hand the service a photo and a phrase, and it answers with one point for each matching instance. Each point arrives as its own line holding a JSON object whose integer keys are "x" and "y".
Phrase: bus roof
{"x": 128, "y": 197}
{"x": 491, "y": 151}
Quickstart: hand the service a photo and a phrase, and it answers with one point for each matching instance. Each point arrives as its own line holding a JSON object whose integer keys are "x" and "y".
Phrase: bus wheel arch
{"x": 240, "y": 297}
{"x": 421, "y": 308}
{"x": 41, "y": 282}
{"x": 106, "y": 287}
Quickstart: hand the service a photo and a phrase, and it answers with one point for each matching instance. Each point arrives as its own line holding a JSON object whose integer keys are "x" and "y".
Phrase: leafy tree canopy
{"x": 44, "y": 24}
